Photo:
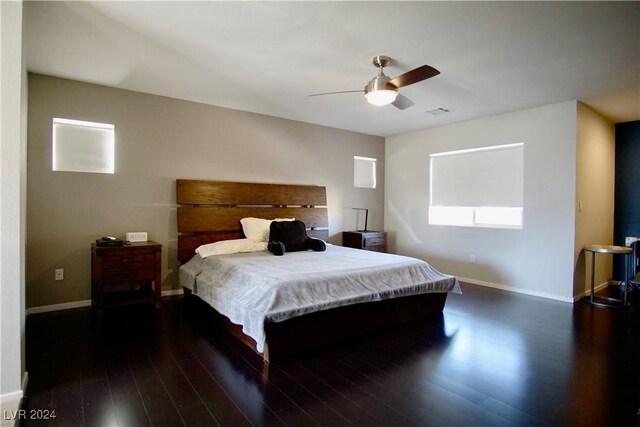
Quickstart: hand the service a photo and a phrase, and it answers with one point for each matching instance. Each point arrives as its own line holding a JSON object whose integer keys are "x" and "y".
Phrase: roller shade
{"x": 82, "y": 146}
{"x": 485, "y": 177}
{"x": 364, "y": 172}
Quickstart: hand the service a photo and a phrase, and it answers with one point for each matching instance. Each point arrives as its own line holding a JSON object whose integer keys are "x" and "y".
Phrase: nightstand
{"x": 122, "y": 275}
{"x": 367, "y": 240}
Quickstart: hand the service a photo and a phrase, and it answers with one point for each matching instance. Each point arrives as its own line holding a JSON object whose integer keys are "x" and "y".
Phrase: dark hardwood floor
{"x": 492, "y": 358}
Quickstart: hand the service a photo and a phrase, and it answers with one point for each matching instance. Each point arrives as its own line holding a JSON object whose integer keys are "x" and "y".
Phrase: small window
{"x": 364, "y": 172}
{"x": 480, "y": 187}
{"x": 83, "y": 146}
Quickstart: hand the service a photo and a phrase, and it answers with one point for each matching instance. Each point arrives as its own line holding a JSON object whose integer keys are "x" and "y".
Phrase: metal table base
{"x": 608, "y": 301}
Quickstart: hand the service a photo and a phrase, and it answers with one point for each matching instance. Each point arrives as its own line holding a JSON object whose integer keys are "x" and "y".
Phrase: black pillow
{"x": 291, "y": 236}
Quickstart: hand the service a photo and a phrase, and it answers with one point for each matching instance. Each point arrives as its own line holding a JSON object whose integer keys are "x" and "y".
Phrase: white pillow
{"x": 257, "y": 229}
{"x": 234, "y": 246}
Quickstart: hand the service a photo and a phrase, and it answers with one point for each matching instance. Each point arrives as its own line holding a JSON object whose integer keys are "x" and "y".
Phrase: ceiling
{"x": 267, "y": 57}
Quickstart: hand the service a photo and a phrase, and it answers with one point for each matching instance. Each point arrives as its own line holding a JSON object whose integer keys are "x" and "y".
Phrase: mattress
{"x": 252, "y": 288}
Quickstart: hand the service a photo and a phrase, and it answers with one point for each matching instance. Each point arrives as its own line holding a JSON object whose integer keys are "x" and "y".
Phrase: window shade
{"x": 485, "y": 177}
{"x": 82, "y": 146}
{"x": 364, "y": 172}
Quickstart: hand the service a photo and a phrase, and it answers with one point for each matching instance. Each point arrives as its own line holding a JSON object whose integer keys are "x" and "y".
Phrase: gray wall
{"x": 160, "y": 139}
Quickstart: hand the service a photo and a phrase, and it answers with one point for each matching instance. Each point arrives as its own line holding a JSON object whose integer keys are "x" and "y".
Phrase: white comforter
{"x": 250, "y": 288}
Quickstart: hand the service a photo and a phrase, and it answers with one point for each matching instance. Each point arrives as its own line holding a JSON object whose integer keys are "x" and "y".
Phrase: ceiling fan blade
{"x": 414, "y": 76}
{"x": 402, "y": 102}
{"x": 333, "y": 93}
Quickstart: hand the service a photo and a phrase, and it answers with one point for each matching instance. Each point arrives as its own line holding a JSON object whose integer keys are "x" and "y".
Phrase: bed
{"x": 287, "y": 305}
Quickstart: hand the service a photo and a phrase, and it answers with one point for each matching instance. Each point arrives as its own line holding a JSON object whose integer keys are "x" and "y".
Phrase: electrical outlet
{"x": 59, "y": 274}
{"x": 472, "y": 257}
{"x": 629, "y": 240}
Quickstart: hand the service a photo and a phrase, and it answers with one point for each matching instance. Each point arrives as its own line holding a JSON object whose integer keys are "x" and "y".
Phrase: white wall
{"x": 12, "y": 212}
{"x": 539, "y": 259}
{"x": 595, "y": 184}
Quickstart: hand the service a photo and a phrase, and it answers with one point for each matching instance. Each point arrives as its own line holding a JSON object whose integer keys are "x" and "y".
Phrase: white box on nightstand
{"x": 136, "y": 236}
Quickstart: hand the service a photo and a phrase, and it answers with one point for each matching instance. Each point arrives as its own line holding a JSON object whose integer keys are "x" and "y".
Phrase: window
{"x": 364, "y": 172}
{"x": 480, "y": 187}
{"x": 83, "y": 146}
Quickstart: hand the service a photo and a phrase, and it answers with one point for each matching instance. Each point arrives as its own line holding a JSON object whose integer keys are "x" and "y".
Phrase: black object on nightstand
{"x": 367, "y": 240}
{"x": 122, "y": 275}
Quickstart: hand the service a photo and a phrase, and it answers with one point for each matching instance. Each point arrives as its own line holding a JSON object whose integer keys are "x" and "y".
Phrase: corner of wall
{"x": 12, "y": 212}
{"x": 594, "y": 195}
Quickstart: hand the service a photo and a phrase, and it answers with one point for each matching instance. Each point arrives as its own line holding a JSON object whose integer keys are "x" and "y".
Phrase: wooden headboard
{"x": 210, "y": 211}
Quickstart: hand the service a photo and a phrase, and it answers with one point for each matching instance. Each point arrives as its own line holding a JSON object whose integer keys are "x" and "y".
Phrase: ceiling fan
{"x": 383, "y": 90}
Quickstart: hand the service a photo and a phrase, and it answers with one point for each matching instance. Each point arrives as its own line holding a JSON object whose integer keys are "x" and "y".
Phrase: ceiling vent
{"x": 438, "y": 111}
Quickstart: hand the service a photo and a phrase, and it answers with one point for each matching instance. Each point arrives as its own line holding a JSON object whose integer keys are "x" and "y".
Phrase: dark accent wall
{"x": 627, "y": 188}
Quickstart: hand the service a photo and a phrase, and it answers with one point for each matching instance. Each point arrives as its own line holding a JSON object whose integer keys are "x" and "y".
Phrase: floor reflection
{"x": 492, "y": 358}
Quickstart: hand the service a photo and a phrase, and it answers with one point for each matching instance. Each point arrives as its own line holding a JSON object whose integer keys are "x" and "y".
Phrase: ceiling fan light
{"x": 381, "y": 97}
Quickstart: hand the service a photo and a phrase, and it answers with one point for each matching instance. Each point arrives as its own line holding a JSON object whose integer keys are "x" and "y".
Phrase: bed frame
{"x": 210, "y": 211}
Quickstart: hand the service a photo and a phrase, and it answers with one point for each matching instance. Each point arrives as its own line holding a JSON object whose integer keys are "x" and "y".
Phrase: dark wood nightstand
{"x": 123, "y": 275}
{"x": 367, "y": 240}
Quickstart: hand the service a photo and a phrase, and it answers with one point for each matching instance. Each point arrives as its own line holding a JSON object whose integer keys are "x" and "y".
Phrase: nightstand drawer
{"x": 374, "y": 241}
{"x": 368, "y": 240}
{"x": 126, "y": 261}
{"x": 131, "y": 275}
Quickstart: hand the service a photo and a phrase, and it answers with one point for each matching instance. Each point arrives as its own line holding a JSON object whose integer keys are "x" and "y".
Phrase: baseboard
{"x": 57, "y": 307}
{"x": 595, "y": 288}
{"x": 172, "y": 292}
{"x": 516, "y": 290}
{"x": 25, "y": 381}
{"x": 84, "y": 303}
{"x": 13, "y": 396}
{"x": 10, "y": 408}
